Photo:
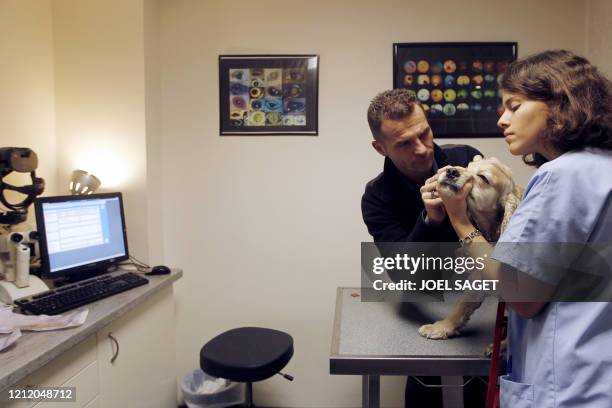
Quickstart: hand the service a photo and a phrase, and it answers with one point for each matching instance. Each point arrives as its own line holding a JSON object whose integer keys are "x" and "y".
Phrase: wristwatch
{"x": 469, "y": 237}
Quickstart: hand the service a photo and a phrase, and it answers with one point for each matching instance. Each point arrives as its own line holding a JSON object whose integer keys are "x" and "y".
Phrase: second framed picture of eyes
{"x": 457, "y": 84}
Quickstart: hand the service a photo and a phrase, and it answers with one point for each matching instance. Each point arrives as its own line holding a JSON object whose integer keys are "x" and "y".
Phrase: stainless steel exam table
{"x": 379, "y": 338}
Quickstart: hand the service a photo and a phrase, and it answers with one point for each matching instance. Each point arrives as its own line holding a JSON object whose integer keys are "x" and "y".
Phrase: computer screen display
{"x": 79, "y": 233}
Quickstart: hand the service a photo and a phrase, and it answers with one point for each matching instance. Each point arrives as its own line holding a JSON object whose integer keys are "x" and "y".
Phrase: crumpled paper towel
{"x": 11, "y": 324}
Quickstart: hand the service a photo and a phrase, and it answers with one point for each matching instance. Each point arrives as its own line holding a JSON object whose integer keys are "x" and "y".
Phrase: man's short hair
{"x": 394, "y": 104}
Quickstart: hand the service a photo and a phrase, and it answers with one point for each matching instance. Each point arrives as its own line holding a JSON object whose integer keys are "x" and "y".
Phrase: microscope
{"x": 16, "y": 248}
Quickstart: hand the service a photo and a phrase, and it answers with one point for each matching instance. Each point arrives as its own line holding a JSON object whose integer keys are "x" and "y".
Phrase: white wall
{"x": 267, "y": 227}
{"x": 27, "y": 107}
{"x": 100, "y": 101}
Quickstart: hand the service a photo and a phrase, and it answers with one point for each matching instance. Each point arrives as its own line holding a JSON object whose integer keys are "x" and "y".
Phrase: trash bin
{"x": 201, "y": 390}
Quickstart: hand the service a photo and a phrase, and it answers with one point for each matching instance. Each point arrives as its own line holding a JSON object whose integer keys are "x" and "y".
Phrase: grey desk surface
{"x": 35, "y": 349}
{"x": 380, "y": 338}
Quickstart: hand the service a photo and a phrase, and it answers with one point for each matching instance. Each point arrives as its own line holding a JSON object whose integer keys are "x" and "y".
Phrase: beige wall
{"x": 100, "y": 101}
{"x": 267, "y": 227}
{"x": 27, "y": 107}
{"x": 599, "y": 35}
{"x": 154, "y": 142}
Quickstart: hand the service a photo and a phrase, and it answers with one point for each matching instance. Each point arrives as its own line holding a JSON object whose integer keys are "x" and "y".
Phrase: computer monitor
{"x": 80, "y": 235}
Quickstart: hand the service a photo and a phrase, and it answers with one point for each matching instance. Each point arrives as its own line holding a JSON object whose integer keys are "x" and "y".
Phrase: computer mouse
{"x": 159, "y": 270}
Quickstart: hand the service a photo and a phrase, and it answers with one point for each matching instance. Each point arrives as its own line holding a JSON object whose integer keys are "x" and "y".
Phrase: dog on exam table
{"x": 490, "y": 204}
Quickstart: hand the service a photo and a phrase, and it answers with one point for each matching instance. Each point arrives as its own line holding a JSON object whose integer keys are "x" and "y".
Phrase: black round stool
{"x": 247, "y": 354}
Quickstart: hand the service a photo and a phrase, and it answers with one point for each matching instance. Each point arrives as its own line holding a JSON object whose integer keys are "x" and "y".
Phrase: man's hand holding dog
{"x": 434, "y": 207}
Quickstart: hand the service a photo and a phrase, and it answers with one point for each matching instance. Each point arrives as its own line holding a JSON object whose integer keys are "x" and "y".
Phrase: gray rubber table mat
{"x": 390, "y": 329}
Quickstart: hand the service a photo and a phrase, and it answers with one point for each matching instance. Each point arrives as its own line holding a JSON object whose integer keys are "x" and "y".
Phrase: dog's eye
{"x": 484, "y": 178}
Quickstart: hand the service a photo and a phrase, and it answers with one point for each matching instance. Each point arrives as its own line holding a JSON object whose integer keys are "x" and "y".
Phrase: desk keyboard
{"x": 81, "y": 293}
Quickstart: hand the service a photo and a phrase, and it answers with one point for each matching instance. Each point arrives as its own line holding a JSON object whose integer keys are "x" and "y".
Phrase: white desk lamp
{"x": 83, "y": 182}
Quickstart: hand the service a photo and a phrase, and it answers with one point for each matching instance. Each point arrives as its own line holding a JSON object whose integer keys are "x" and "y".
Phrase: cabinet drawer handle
{"x": 114, "y": 357}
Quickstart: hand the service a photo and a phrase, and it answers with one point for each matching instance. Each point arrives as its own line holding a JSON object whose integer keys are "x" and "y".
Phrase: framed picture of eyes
{"x": 457, "y": 84}
{"x": 268, "y": 94}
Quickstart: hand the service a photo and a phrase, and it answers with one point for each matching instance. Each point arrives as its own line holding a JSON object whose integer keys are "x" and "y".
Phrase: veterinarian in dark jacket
{"x": 398, "y": 206}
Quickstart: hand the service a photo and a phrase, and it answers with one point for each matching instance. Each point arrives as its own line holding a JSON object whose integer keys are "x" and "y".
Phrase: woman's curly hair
{"x": 578, "y": 95}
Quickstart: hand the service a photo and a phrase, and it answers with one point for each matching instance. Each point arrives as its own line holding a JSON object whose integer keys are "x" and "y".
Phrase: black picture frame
{"x": 457, "y": 83}
{"x": 268, "y": 95}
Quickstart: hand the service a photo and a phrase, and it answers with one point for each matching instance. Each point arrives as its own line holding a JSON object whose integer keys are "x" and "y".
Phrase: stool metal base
{"x": 248, "y": 403}
{"x": 249, "y": 396}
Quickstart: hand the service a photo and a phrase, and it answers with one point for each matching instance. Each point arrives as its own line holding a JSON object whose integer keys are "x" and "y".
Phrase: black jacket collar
{"x": 397, "y": 186}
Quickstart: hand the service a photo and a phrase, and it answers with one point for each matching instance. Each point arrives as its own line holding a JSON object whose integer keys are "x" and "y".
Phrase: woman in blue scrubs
{"x": 558, "y": 116}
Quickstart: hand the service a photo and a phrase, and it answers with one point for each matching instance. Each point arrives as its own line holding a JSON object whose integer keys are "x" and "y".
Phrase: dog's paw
{"x": 440, "y": 330}
{"x": 503, "y": 350}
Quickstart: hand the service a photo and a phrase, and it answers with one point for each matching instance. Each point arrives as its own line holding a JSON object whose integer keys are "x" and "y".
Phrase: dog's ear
{"x": 510, "y": 202}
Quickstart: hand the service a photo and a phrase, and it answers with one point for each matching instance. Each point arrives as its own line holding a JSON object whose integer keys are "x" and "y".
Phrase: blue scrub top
{"x": 563, "y": 356}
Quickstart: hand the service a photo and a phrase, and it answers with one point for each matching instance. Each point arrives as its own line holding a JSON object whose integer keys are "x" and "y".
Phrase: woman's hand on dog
{"x": 456, "y": 204}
